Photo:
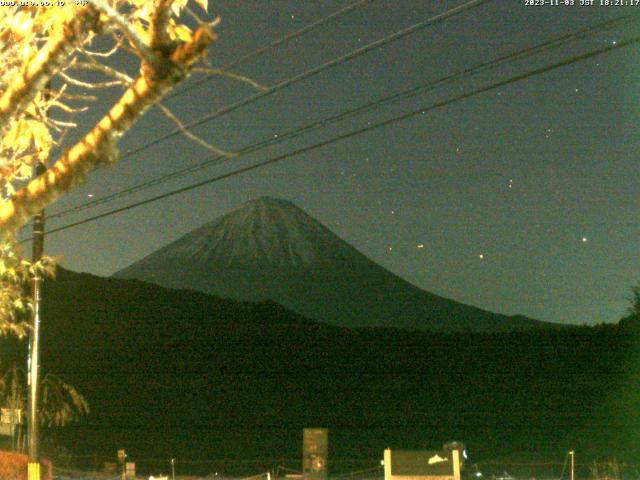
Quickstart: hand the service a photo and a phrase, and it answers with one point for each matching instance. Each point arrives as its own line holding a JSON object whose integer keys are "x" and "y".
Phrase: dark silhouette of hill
{"x": 269, "y": 249}
{"x": 183, "y": 374}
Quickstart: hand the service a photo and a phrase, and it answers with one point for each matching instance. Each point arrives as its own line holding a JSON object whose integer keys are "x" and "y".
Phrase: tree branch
{"x": 159, "y": 22}
{"x": 89, "y": 86}
{"x": 122, "y": 22}
{"x": 99, "y": 146}
{"x": 212, "y": 148}
{"x": 104, "y": 69}
{"x": 49, "y": 60}
{"x": 235, "y": 76}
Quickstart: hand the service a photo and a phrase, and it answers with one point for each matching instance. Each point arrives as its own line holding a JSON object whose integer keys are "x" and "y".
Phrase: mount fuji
{"x": 270, "y": 249}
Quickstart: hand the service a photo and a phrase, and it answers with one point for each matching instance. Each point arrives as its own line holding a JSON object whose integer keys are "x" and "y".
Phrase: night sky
{"x": 520, "y": 200}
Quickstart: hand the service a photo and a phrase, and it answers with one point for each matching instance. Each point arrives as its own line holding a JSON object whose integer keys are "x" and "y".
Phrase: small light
{"x": 420, "y": 245}
{"x": 584, "y": 239}
{"x": 481, "y": 256}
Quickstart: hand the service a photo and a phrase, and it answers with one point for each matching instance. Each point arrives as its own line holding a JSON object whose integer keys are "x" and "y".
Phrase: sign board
{"x": 315, "y": 449}
{"x": 422, "y": 464}
{"x": 10, "y": 415}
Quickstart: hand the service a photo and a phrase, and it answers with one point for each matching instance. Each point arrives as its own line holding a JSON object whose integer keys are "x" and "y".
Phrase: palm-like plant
{"x": 60, "y": 403}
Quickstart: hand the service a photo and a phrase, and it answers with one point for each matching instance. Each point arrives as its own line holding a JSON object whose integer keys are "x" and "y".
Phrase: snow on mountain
{"x": 266, "y": 232}
{"x": 271, "y": 249}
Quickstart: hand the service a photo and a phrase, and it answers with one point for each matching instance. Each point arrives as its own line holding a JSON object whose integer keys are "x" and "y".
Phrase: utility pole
{"x": 36, "y": 291}
{"x": 572, "y": 454}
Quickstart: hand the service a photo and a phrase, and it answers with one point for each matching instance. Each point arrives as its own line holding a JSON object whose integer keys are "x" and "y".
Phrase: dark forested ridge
{"x": 182, "y": 373}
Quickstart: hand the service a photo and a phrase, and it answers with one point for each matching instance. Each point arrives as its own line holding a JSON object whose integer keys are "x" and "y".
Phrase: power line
{"x": 436, "y": 19}
{"x": 385, "y": 123}
{"x": 405, "y": 94}
{"x": 256, "y": 53}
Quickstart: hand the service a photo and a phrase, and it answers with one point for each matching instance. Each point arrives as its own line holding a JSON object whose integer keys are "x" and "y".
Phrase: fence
{"x": 339, "y": 469}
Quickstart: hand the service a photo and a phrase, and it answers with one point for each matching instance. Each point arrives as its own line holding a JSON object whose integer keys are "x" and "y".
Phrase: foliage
{"x": 50, "y": 77}
{"x": 61, "y": 402}
{"x": 247, "y": 367}
{"x": 631, "y": 321}
{"x": 634, "y": 300}
{"x": 607, "y": 470}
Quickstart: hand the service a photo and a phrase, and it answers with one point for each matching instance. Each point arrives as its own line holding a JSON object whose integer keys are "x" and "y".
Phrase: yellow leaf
{"x": 142, "y": 11}
{"x": 204, "y": 4}
{"x": 24, "y": 171}
{"x": 177, "y": 6}
{"x": 41, "y": 138}
{"x": 183, "y": 33}
{"x": 19, "y": 137}
{"x": 142, "y": 32}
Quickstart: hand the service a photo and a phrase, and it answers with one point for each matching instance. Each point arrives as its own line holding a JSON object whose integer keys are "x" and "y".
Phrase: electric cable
{"x": 276, "y": 43}
{"x": 434, "y": 20}
{"x": 381, "y": 124}
{"x": 405, "y": 94}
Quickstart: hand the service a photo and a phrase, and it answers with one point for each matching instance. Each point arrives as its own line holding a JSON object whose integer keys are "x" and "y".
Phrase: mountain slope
{"x": 271, "y": 249}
